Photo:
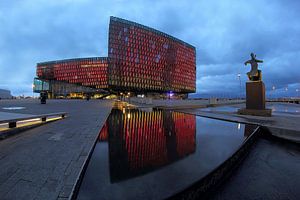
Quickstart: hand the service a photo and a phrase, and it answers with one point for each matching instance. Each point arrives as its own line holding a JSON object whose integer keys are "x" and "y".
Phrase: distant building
{"x": 72, "y": 77}
{"x": 141, "y": 60}
{"x": 5, "y": 94}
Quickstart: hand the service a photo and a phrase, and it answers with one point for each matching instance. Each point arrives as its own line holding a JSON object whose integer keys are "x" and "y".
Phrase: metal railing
{"x": 12, "y": 123}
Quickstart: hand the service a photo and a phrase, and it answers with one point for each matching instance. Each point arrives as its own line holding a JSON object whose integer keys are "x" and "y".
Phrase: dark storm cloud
{"x": 223, "y": 32}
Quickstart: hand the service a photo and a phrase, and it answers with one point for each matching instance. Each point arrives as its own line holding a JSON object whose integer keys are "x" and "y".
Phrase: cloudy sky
{"x": 223, "y": 32}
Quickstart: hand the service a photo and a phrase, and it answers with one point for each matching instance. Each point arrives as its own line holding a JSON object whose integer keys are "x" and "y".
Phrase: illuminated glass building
{"x": 140, "y": 60}
{"x": 72, "y": 77}
{"x": 144, "y": 59}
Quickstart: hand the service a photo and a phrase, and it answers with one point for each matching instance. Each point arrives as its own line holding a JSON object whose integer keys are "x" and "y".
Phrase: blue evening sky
{"x": 224, "y": 33}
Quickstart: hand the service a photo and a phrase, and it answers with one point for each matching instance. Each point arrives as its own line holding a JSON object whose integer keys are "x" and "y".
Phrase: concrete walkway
{"x": 44, "y": 162}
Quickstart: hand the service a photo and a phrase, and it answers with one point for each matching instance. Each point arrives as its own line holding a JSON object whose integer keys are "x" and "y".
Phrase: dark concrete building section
{"x": 271, "y": 171}
{"x": 5, "y": 94}
{"x": 45, "y": 162}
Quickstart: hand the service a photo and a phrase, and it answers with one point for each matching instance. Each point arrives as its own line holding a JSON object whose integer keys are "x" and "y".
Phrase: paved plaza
{"x": 45, "y": 162}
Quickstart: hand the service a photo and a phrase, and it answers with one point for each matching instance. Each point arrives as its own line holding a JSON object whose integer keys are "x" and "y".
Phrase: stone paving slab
{"x": 44, "y": 162}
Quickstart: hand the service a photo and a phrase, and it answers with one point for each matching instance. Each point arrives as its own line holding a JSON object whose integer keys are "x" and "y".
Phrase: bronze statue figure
{"x": 255, "y": 73}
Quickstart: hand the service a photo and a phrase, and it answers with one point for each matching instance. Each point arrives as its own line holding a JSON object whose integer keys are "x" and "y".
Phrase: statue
{"x": 254, "y": 74}
{"x": 255, "y": 92}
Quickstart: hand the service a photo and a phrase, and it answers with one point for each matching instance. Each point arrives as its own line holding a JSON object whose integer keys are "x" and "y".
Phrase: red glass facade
{"x": 144, "y": 59}
{"x": 92, "y": 72}
{"x": 140, "y": 60}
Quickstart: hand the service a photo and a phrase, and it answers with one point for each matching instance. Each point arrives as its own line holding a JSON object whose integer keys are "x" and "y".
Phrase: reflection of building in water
{"x": 103, "y": 135}
{"x": 140, "y": 142}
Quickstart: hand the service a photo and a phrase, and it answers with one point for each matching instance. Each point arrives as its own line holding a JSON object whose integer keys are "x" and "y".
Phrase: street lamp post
{"x": 273, "y": 91}
{"x": 239, "y": 77}
{"x": 297, "y": 90}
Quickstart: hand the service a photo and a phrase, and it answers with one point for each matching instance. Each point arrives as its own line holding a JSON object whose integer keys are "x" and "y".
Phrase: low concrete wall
{"x": 291, "y": 135}
{"x": 207, "y": 185}
{"x": 181, "y": 103}
{"x": 145, "y": 100}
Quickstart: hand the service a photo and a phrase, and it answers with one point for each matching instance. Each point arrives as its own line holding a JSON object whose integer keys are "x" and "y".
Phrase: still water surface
{"x": 154, "y": 154}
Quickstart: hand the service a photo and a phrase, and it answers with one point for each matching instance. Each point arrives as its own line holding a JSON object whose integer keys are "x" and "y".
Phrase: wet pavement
{"x": 270, "y": 171}
{"x": 283, "y": 123}
{"x": 157, "y": 153}
{"x": 277, "y": 108}
{"x": 148, "y": 154}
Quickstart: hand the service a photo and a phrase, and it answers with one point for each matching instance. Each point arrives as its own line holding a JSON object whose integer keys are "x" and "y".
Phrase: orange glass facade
{"x": 144, "y": 59}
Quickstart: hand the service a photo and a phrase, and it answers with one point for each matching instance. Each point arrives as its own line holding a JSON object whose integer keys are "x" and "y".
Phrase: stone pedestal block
{"x": 255, "y": 95}
{"x": 255, "y": 100}
{"x": 255, "y": 112}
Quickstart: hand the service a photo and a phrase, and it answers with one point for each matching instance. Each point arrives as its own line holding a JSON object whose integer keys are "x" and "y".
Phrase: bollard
{"x": 12, "y": 124}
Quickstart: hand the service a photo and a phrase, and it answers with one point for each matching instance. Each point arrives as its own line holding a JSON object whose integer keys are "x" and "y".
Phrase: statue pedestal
{"x": 255, "y": 95}
{"x": 255, "y": 100}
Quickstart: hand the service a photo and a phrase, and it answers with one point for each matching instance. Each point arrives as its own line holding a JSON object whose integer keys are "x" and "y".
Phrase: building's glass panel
{"x": 40, "y": 85}
{"x": 91, "y": 72}
{"x": 142, "y": 58}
